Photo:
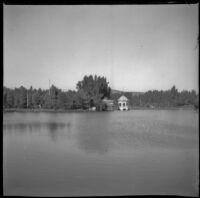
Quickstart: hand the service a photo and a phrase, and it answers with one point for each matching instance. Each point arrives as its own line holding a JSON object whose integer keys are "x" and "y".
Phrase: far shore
{"x": 86, "y": 110}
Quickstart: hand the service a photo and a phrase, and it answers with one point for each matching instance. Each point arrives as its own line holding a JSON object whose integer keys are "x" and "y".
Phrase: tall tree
{"x": 23, "y": 97}
{"x": 93, "y": 88}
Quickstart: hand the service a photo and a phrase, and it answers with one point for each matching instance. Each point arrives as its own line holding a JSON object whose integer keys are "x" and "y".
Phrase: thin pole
{"x": 27, "y": 99}
{"x": 50, "y": 94}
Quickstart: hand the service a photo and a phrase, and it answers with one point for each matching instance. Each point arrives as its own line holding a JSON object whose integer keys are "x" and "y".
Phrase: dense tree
{"x": 54, "y": 91}
{"x": 61, "y": 103}
{"x": 93, "y": 88}
{"x": 47, "y": 100}
{"x": 23, "y": 97}
{"x": 9, "y": 99}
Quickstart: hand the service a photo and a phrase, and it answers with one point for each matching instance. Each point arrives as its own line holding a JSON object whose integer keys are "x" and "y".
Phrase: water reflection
{"x": 94, "y": 137}
{"x": 94, "y": 141}
{"x": 54, "y": 129}
{"x": 102, "y": 133}
{"x": 114, "y": 153}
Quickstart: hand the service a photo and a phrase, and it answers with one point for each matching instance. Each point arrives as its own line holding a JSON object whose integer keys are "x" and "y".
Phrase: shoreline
{"x": 86, "y": 110}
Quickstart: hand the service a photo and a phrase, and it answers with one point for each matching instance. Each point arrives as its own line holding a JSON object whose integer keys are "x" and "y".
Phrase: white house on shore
{"x": 123, "y": 103}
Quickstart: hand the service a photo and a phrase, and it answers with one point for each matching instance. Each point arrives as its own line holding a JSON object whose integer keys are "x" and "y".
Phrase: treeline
{"x": 90, "y": 91}
{"x": 168, "y": 98}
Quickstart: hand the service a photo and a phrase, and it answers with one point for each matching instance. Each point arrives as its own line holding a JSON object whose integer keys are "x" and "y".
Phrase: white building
{"x": 123, "y": 103}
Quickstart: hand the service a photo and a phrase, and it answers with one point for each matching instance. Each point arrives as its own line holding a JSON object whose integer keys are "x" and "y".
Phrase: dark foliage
{"x": 155, "y": 98}
{"x": 89, "y": 93}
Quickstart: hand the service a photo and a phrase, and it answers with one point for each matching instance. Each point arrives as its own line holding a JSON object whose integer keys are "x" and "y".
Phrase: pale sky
{"x": 136, "y": 47}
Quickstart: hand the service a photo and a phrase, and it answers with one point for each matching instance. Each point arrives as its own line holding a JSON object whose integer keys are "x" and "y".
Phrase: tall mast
{"x": 27, "y": 99}
{"x": 50, "y": 93}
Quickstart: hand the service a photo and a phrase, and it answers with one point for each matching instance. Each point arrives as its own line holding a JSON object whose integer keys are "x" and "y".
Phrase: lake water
{"x": 138, "y": 152}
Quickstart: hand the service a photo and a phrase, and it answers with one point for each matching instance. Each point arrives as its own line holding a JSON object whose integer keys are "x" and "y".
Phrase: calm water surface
{"x": 101, "y": 153}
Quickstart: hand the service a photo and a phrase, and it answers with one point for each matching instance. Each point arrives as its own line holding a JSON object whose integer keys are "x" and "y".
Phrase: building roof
{"x": 107, "y": 101}
{"x": 123, "y": 98}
